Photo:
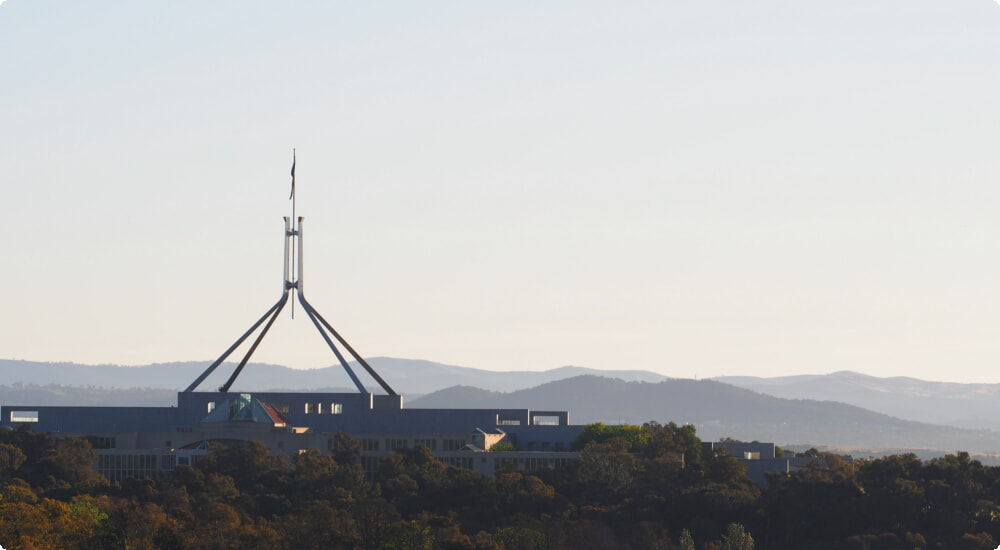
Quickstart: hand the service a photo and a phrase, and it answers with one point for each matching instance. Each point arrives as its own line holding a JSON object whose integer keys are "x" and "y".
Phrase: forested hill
{"x": 720, "y": 410}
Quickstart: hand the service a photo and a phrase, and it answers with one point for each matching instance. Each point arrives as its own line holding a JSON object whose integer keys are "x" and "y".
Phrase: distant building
{"x": 759, "y": 458}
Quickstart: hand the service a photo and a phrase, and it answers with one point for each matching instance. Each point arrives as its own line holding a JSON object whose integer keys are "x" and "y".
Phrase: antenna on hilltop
{"x": 293, "y": 282}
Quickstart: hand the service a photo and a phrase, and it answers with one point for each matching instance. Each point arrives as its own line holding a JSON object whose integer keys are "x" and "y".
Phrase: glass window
{"x": 24, "y": 416}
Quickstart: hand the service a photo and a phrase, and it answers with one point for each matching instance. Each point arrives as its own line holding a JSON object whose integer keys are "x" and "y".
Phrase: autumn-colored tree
{"x": 317, "y": 526}
{"x": 71, "y": 464}
{"x": 11, "y": 460}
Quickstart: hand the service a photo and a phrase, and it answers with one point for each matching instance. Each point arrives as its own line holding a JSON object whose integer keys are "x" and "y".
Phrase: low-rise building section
{"x": 147, "y": 441}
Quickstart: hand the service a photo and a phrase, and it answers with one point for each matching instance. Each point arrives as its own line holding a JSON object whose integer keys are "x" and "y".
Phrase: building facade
{"x": 148, "y": 441}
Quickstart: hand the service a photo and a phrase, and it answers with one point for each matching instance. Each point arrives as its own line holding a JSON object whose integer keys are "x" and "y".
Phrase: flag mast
{"x": 292, "y": 195}
{"x": 293, "y": 283}
{"x": 295, "y": 228}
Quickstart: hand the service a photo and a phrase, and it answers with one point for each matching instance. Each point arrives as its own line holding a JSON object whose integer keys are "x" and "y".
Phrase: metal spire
{"x": 293, "y": 282}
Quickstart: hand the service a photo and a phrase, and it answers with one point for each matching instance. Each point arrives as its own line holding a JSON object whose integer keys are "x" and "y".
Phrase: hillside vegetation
{"x": 634, "y": 487}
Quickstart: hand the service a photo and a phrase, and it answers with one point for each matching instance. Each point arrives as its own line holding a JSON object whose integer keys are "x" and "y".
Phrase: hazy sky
{"x": 698, "y": 188}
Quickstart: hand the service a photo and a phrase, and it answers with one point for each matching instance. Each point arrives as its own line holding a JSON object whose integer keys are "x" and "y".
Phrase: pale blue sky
{"x": 698, "y": 188}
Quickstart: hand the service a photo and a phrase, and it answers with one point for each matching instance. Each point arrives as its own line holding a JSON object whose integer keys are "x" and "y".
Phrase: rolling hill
{"x": 721, "y": 410}
{"x": 842, "y": 409}
{"x": 974, "y": 406}
{"x": 406, "y": 376}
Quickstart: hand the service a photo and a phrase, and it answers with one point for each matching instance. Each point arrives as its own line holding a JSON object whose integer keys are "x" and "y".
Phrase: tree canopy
{"x": 633, "y": 487}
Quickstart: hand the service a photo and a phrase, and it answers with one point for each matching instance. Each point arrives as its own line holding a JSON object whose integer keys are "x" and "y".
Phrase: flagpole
{"x": 295, "y": 228}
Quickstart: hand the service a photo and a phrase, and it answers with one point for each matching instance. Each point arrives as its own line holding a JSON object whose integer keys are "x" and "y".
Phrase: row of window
{"x": 396, "y": 444}
{"x": 458, "y": 462}
{"x": 547, "y": 446}
{"x": 392, "y": 444}
{"x": 102, "y": 442}
{"x": 529, "y": 464}
{"x": 431, "y": 444}
{"x": 317, "y": 408}
{"x": 24, "y": 416}
{"x": 308, "y": 408}
{"x": 120, "y": 467}
{"x": 131, "y": 462}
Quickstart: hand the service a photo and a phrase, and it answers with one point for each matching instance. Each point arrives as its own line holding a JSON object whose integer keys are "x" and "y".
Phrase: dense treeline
{"x": 634, "y": 487}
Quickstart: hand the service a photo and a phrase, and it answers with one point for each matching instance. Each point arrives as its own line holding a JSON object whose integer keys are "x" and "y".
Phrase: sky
{"x": 697, "y": 188}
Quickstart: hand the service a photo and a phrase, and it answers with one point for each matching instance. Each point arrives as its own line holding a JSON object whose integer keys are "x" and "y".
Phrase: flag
{"x": 292, "y": 195}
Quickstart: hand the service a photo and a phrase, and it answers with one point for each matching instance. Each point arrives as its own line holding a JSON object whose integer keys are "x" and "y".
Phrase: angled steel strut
{"x": 293, "y": 283}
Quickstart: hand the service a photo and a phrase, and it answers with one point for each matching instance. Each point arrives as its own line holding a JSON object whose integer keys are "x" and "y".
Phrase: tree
{"x": 686, "y": 542}
{"x": 244, "y": 461}
{"x": 894, "y": 498}
{"x": 410, "y": 535}
{"x": 316, "y": 526}
{"x": 605, "y": 470}
{"x": 637, "y": 437}
{"x": 735, "y": 537}
{"x": 318, "y": 476}
{"x": 33, "y": 446}
{"x": 56, "y": 467}
{"x": 822, "y": 504}
{"x": 136, "y": 524}
{"x": 522, "y": 494}
{"x": 374, "y": 519}
{"x": 411, "y": 479}
{"x": 522, "y": 538}
{"x": 953, "y": 486}
{"x": 11, "y": 459}
{"x": 668, "y": 441}
{"x": 220, "y": 526}
{"x": 345, "y": 449}
{"x": 45, "y": 524}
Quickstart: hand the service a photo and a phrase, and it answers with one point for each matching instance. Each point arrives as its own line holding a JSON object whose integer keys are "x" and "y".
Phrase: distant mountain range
{"x": 843, "y": 409}
{"x": 975, "y": 406}
{"x": 720, "y": 410}
{"x": 406, "y": 376}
